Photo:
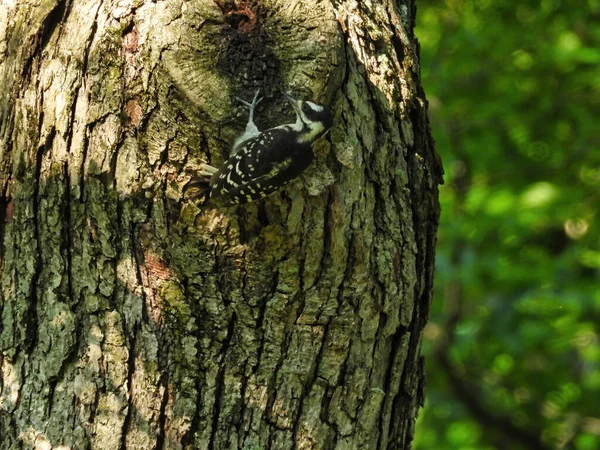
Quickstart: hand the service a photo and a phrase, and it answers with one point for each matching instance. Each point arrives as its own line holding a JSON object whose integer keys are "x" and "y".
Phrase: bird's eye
{"x": 305, "y": 107}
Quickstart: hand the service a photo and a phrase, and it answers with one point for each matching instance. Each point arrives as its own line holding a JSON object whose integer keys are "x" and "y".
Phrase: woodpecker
{"x": 264, "y": 161}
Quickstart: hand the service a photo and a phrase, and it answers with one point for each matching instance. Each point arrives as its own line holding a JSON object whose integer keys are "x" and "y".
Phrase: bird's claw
{"x": 255, "y": 101}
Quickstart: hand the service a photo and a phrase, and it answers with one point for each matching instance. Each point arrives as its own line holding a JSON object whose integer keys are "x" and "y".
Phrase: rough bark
{"x": 132, "y": 319}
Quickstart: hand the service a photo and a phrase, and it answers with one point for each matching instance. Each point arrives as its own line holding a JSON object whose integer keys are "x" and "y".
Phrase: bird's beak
{"x": 295, "y": 103}
{"x": 289, "y": 97}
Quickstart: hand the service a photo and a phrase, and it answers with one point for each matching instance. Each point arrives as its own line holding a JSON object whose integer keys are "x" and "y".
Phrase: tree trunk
{"x": 133, "y": 319}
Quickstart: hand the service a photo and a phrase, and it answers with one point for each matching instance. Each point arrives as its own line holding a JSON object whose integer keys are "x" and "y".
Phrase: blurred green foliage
{"x": 512, "y": 348}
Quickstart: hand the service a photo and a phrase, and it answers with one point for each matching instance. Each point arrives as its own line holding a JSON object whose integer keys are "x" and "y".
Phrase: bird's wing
{"x": 251, "y": 173}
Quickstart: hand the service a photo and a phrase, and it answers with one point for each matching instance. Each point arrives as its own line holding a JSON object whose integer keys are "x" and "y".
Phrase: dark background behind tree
{"x": 513, "y": 348}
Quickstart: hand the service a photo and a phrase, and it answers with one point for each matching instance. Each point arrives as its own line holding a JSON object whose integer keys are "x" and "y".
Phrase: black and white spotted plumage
{"x": 262, "y": 162}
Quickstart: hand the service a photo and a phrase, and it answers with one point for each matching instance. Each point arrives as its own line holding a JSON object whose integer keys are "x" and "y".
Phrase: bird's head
{"x": 312, "y": 119}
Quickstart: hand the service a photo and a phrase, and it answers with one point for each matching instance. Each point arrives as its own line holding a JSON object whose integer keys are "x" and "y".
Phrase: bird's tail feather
{"x": 197, "y": 187}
